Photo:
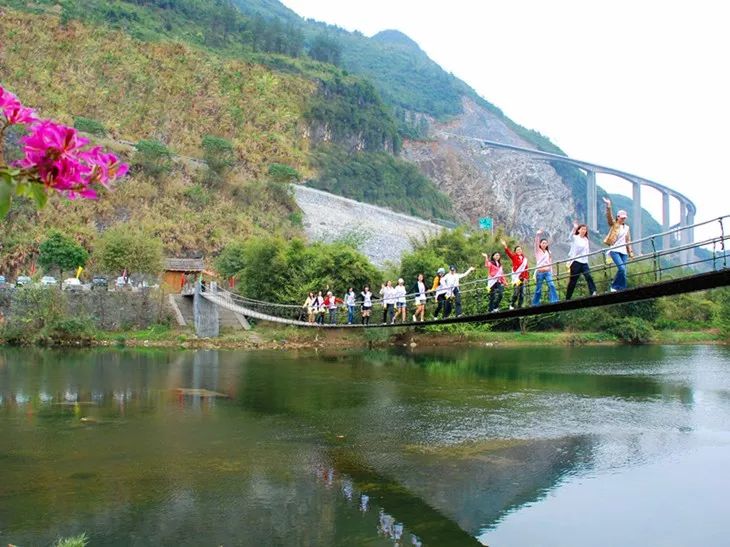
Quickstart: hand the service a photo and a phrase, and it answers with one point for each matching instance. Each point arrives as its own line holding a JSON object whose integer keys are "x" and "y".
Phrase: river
{"x": 454, "y": 446}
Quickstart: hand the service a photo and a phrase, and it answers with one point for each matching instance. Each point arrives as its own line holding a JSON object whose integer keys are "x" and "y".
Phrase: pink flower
{"x": 13, "y": 110}
{"x": 57, "y": 156}
{"x": 53, "y": 140}
{"x": 61, "y": 160}
{"x": 105, "y": 167}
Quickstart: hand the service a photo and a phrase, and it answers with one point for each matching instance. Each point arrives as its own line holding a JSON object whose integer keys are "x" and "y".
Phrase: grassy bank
{"x": 296, "y": 338}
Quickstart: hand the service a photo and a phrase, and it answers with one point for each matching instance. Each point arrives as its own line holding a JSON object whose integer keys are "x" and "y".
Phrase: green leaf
{"x": 21, "y": 188}
{"x": 6, "y": 196}
{"x": 39, "y": 195}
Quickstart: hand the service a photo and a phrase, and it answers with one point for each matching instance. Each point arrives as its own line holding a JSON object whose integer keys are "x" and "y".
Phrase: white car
{"x": 121, "y": 282}
{"x": 48, "y": 281}
{"x": 71, "y": 284}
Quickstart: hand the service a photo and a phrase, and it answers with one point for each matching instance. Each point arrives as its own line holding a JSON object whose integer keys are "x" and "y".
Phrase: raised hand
{"x": 503, "y": 242}
{"x": 606, "y": 201}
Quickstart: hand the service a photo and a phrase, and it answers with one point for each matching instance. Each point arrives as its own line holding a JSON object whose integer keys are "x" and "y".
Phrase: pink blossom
{"x": 59, "y": 156}
{"x": 53, "y": 140}
{"x": 105, "y": 166}
{"x": 13, "y": 110}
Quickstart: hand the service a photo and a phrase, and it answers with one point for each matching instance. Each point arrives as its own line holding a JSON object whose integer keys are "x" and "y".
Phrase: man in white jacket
{"x": 451, "y": 284}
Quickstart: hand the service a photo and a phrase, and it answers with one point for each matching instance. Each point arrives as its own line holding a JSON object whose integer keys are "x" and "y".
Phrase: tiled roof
{"x": 184, "y": 265}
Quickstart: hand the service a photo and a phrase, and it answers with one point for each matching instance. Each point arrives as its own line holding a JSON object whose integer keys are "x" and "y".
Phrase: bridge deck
{"x": 671, "y": 287}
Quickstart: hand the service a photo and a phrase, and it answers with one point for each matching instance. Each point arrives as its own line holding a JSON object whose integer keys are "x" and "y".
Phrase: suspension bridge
{"x": 664, "y": 271}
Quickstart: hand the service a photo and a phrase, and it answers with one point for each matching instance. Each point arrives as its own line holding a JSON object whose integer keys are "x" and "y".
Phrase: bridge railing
{"x": 659, "y": 264}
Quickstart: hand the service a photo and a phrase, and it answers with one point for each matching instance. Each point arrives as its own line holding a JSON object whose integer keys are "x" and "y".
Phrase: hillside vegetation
{"x": 165, "y": 92}
{"x": 274, "y": 105}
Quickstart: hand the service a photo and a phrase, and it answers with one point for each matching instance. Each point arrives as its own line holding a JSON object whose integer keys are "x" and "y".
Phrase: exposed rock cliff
{"x": 520, "y": 193}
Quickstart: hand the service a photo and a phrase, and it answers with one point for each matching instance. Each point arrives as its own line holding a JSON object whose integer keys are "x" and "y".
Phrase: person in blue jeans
{"x": 619, "y": 242}
{"x": 543, "y": 270}
{"x": 350, "y": 302}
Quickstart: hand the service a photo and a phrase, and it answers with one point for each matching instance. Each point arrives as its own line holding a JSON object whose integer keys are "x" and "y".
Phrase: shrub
{"x": 33, "y": 311}
{"x": 722, "y": 315}
{"x": 631, "y": 330}
{"x": 283, "y": 173}
{"x": 68, "y": 330}
{"x": 199, "y": 197}
{"x": 90, "y": 126}
{"x": 152, "y": 157}
{"x": 218, "y": 153}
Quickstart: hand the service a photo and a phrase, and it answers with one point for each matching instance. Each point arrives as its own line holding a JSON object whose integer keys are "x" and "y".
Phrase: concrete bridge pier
{"x": 636, "y": 229}
{"x": 667, "y": 239}
{"x": 205, "y": 314}
{"x": 591, "y": 201}
{"x": 683, "y": 232}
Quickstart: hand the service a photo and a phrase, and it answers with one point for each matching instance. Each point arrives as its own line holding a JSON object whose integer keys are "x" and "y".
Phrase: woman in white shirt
{"x": 367, "y": 305}
{"x": 399, "y": 294}
{"x": 579, "y": 247}
{"x": 619, "y": 242}
{"x": 386, "y": 294}
{"x": 419, "y": 289}
{"x": 350, "y": 301}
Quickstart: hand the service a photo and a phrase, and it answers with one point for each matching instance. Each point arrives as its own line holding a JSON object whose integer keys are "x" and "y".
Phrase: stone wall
{"x": 107, "y": 310}
{"x": 381, "y": 234}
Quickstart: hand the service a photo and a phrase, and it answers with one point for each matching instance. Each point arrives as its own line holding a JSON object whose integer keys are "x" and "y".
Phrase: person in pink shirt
{"x": 543, "y": 270}
{"x": 520, "y": 274}
{"x": 496, "y": 281}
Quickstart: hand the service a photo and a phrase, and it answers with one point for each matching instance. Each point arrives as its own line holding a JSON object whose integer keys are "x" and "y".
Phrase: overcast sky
{"x": 641, "y": 86}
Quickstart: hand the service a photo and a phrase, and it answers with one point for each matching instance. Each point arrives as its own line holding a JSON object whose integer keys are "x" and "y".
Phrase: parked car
{"x": 23, "y": 280}
{"x": 72, "y": 284}
{"x": 99, "y": 282}
{"x": 121, "y": 282}
{"x": 3, "y": 283}
{"x": 48, "y": 281}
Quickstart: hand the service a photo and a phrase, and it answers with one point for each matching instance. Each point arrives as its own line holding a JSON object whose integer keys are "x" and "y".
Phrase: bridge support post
{"x": 591, "y": 201}
{"x": 637, "y": 232}
{"x": 690, "y": 237}
{"x": 683, "y": 235}
{"x": 205, "y": 315}
{"x": 666, "y": 240}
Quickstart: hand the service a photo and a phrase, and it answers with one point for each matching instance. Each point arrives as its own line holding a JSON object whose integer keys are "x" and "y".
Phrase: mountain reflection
{"x": 392, "y": 448}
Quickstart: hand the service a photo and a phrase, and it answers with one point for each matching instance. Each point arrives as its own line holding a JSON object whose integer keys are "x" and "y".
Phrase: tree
{"x": 126, "y": 248}
{"x": 152, "y": 157}
{"x": 276, "y": 270}
{"x": 218, "y": 153}
{"x": 326, "y": 50}
{"x": 232, "y": 259}
{"x": 61, "y": 252}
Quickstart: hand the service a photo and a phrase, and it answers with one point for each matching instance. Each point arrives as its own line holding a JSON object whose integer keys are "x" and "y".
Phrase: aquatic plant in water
{"x": 55, "y": 158}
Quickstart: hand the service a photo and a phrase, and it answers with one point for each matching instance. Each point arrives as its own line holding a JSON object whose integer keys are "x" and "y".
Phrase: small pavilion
{"x": 180, "y": 274}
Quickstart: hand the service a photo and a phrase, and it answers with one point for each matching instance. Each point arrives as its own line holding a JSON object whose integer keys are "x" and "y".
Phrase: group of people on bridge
{"x": 445, "y": 289}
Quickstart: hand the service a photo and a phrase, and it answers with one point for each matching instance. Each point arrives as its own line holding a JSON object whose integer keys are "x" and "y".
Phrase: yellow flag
{"x": 78, "y": 271}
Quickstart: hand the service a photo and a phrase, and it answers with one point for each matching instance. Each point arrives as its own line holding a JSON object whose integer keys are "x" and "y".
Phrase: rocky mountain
{"x": 520, "y": 194}
{"x": 430, "y": 106}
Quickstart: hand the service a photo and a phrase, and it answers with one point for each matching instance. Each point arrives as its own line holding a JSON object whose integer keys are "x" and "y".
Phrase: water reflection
{"x": 432, "y": 448}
